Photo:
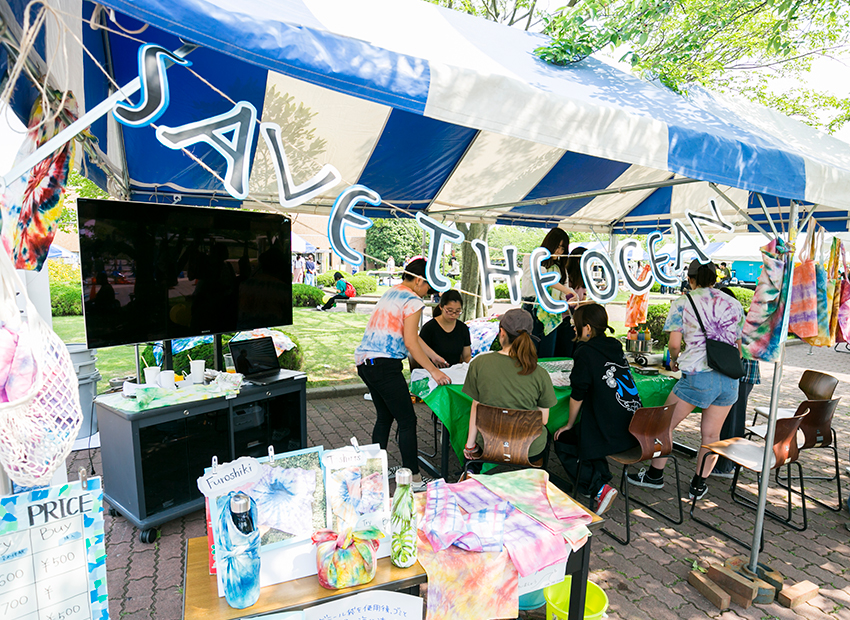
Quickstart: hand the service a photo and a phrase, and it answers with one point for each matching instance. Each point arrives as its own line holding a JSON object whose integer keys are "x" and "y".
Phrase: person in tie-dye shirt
{"x": 700, "y": 385}
{"x": 391, "y": 335}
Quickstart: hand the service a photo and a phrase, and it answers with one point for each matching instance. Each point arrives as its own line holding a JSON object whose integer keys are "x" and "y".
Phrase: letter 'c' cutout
{"x": 633, "y": 285}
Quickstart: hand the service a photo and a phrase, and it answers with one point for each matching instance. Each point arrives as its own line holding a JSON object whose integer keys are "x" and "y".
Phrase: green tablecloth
{"x": 452, "y": 406}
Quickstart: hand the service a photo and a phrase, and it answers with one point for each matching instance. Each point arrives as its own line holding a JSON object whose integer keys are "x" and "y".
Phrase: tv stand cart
{"x": 153, "y": 458}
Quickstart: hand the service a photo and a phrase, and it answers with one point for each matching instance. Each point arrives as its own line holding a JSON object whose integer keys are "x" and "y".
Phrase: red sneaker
{"x": 605, "y": 498}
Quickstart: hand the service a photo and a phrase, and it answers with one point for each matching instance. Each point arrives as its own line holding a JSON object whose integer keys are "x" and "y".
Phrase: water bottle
{"x": 403, "y": 520}
{"x": 239, "y": 554}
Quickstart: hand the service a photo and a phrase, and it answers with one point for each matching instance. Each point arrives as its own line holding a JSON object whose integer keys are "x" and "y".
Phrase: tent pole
{"x": 774, "y": 404}
{"x": 740, "y": 211}
{"x": 767, "y": 216}
{"x": 612, "y": 243}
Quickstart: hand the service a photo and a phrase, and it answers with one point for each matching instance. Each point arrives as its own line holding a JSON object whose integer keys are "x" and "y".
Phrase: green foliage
{"x": 736, "y": 45}
{"x": 363, "y": 283}
{"x": 294, "y": 358}
{"x": 306, "y": 296}
{"x": 66, "y": 298}
{"x": 78, "y": 186}
{"x": 525, "y": 238}
{"x": 656, "y": 315}
{"x": 522, "y": 13}
{"x": 744, "y": 295}
{"x": 501, "y": 290}
{"x": 325, "y": 279}
{"x": 656, "y": 288}
{"x": 394, "y": 237}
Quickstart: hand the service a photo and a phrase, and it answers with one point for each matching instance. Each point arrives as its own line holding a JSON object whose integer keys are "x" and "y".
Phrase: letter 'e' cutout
{"x": 543, "y": 280}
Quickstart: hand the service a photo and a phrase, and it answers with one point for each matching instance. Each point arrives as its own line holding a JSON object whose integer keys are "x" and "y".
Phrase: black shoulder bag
{"x": 722, "y": 357}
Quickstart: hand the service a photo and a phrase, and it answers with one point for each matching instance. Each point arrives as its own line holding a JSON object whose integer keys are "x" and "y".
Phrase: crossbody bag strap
{"x": 696, "y": 312}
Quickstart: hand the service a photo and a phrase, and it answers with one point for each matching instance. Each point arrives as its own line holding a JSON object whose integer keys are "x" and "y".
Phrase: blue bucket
{"x": 532, "y": 600}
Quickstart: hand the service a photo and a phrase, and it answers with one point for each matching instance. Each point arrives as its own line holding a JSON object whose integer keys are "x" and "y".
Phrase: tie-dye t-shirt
{"x": 722, "y": 316}
{"x": 384, "y": 335}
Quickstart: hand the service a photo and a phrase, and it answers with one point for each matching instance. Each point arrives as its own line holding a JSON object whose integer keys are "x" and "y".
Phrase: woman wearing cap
{"x": 700, "y": 386}
{"x": 509, "y": 378}
{"x": 391, "y": 335}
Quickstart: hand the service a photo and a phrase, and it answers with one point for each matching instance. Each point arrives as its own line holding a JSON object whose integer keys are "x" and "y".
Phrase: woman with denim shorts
{"x": 700, "y": 386}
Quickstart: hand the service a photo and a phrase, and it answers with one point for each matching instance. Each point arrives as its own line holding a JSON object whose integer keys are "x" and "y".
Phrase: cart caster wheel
{"x": 113, "y": 512}
{"x": 147, "y": 536}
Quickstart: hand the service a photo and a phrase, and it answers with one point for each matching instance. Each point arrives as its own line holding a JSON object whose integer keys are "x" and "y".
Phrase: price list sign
{"x": 52, "y": 554}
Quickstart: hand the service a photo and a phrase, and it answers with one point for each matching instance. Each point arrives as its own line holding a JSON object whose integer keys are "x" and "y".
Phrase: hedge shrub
{"x": 362, "y": 283}
{"x": 656, "y": 316}
{"x": 325, "y": 279}
{"x": 306, "y": 296}
{"x": 501, "y": 291}
{"x": 656, "y": 288}
{"x": 66, "y": 299}
{"x": 744, "y": 295}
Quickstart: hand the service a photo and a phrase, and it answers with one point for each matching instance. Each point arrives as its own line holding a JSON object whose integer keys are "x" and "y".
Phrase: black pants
{"x": 330, "y": 303}
{"x": 391, "y": 397}
{"x": 565, "y": 341}
{"x": 735, "y": 423}
{"x": 594, "y": 472}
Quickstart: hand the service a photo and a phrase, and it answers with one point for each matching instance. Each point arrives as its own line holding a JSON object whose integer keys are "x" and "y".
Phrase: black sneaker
{"x": 641, "y": 479}
{"x": 392, "y": 470}
{"x": 697, "y": 491}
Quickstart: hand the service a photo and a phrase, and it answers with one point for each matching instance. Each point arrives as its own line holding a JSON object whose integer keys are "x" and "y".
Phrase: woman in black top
{"x": 445, "y": 334}
{"x": 605, "y": 392}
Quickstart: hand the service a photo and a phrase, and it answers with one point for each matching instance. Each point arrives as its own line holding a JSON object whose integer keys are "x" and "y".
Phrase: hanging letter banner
{"x": 610, "y": 291}
{"x": 632, "y": 285}
{"x": 543, "y": 280}
{"x": 509, "y": 272}
{"x": 439, "y": 234}
{"x": 342, "y": 216}
{"x": 657, "y": 261}
{"x": 154, "y": 84}
{"x": 52, "y": 554}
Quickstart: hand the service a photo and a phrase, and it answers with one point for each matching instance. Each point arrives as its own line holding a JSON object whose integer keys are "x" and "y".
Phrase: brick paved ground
{"x": 644, "y": 580}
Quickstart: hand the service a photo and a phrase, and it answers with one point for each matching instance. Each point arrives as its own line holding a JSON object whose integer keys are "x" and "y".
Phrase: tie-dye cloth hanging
{"x": 32, "y": 204}
{"x": 764, "y": 329}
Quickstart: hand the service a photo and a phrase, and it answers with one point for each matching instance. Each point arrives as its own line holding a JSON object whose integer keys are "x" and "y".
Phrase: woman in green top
{"x": 341, "y": 286}
{"x": 510, "y": 378}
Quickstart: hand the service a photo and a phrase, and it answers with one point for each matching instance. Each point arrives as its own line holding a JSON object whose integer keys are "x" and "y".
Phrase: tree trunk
{"x": 470, "y": 279}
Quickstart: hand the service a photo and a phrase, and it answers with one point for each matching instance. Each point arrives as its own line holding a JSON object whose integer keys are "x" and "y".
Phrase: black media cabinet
{"x": 152, "y": 459}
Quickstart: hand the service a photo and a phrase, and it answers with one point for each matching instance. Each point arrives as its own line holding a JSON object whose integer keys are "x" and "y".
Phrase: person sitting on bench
{"x": 344, "y": 291}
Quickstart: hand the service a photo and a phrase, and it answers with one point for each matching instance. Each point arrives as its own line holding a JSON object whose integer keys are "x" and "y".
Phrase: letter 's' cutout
{"x": 610, "y": 292}
{"x": 716, "y": 221}
{"x": 542, "y": 280}
{"x": 241, "y": 121}
{"x": 638, "y": 288}
{"x": 439, "y": 234}
{"x": 510, "y": 272}
{"x": 657, "y": 261}
{"x": 342, "y": 216}
{"x": 154, "y": 97}
{"x": 289, "y": 194}
{"x": 681, "y": 234}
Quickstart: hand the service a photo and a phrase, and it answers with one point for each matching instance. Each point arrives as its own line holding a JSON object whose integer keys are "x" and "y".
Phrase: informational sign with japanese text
{"x": 52, "y": 554}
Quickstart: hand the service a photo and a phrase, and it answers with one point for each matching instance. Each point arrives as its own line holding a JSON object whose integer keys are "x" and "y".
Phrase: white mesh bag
{"x": 38, "y": 429}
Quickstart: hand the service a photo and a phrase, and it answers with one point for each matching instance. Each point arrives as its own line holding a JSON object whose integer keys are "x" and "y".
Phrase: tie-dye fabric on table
{"x": 351, "y": 495}
{"x": 285, "y": 499}
{"x": 464, "y": 585}
{"x": 446, "y": 525}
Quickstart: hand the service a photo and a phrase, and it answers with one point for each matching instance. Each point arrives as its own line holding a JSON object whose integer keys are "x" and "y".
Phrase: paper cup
{"x": 197, "y": 374}
{"x": 152, "y": 375}
{"x": 166, "y": 379}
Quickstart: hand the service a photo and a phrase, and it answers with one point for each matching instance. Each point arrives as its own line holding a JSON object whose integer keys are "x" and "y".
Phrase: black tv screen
{"x": 158, "y": 272}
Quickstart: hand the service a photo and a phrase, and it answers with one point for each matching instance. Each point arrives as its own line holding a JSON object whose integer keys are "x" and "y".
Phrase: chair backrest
{"x": 652, "y": 427}
{"x": 818, "y": 385}
{"x": 785, "y": 440}
{"x": 817, "y": 425}
{"x": 508, "y": 434}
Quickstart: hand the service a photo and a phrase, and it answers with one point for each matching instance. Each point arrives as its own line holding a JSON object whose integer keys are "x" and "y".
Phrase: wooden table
{"x": 201, "y": 600}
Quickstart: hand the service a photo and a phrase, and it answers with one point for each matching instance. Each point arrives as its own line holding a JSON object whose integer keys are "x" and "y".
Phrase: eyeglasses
{"x": 450, "y": 311}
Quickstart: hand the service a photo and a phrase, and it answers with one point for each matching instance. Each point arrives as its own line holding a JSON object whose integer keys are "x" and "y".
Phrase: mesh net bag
{"x": 37, "y": 428}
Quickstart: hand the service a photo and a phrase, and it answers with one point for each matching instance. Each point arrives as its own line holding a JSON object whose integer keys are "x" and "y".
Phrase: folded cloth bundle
{"x": 348, "y": 558}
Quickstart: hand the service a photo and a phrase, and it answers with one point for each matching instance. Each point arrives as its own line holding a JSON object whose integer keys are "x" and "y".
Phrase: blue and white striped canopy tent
{"x": 435, "y": 110}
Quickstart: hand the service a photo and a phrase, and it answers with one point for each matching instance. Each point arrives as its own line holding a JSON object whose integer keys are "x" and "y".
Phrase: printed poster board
{"x": 52, "y": 554}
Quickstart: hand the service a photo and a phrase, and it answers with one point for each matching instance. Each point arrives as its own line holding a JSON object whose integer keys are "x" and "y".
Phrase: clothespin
{"x": 84, "y": 478}
{"x": 271, "y": 453}
{"x": 355, "y": 444}
{"x": 214, "y": 463}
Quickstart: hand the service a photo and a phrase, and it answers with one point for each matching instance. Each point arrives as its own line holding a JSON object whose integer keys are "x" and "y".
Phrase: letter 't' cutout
{"x": 236, "y": 150}
{"x": 342, "y": 216}
{"x": 154, "y": 95}
{"x": 638, "y": 288}
{"x": 657, "y": 261}
{"x": 289, "y": 194}
{"x": 682, "y": 234}
{"x": 610, "y": 292}
{"x": 489, "y": 272}
{"x": 542, "y": 280}
{"x": 439, "y": 235}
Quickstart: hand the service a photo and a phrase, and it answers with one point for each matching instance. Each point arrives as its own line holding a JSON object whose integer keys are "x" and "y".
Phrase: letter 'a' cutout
{"x": 602, "y": 296}
{"x": 239, "y": 121}
{"x": 690, "y": 244}
{"x": 439, "y": 235}
{"x": 289, "y": 194}
{"x": 657, "y": 261}
{"x": 154, "y": 96}
{"x": 342, "y": 216}
{"x": 489, "y": 272}
{"x": 638, "y": 288}
{"x": 542, "y": 280}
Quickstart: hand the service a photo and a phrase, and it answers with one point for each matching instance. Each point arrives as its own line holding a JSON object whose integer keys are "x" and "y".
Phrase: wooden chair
{"x": 750, "y": 455}
{"x": 507, "y": 435}
{"x": 815, "y": 385}
{"x": 815, "y": 432}
{"x": 652, "y": 427}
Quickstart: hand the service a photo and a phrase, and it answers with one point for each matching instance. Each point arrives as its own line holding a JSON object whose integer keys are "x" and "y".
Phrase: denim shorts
{"x": 705, "y": 388}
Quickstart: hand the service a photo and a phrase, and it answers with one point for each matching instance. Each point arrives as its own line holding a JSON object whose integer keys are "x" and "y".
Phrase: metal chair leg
{"x": 658, "y": 513}
{"x": 435, "y": 420}
{"x": 625, "y": 486}
{"x": 783, "y": 481}
{"x": 787, "y": 521}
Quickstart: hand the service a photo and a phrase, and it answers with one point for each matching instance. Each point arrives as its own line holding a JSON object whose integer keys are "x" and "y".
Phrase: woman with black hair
{"x": 605, "y": 393}
{"x": 447, "y": 336}
{"x": 566, "y": 339}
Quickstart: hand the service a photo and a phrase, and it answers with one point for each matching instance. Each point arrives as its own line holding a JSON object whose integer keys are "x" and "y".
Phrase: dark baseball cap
{"x": 693, "y": 268}
{"x": 515, "y": 321}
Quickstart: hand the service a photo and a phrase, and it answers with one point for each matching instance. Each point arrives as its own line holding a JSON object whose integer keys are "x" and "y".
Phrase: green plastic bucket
{"x": 558, "y": 601}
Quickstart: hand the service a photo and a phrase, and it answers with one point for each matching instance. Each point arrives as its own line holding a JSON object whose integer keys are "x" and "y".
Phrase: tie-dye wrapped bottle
{"x": 403, "y": 519}
{"x": 238, "y": 555}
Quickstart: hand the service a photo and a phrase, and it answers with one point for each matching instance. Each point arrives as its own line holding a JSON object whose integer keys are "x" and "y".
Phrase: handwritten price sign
{"x": 52, "y": 556}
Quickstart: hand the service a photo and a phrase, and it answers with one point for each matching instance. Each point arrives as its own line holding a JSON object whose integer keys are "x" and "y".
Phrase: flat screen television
{"x": 162, "y": 271}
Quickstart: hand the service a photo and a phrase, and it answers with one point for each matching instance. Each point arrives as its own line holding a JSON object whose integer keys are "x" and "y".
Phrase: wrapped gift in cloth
{"x": 346, "y": 559}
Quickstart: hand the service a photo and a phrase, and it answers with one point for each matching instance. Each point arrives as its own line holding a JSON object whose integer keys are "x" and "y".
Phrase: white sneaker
{"x": 418, "y": 487}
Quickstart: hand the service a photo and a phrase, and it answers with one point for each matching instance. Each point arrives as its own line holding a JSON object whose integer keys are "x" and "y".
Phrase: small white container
{"x": 166, "y": 380}
{"x": 152, "y": 375}
{"x": 197, "y": 371}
